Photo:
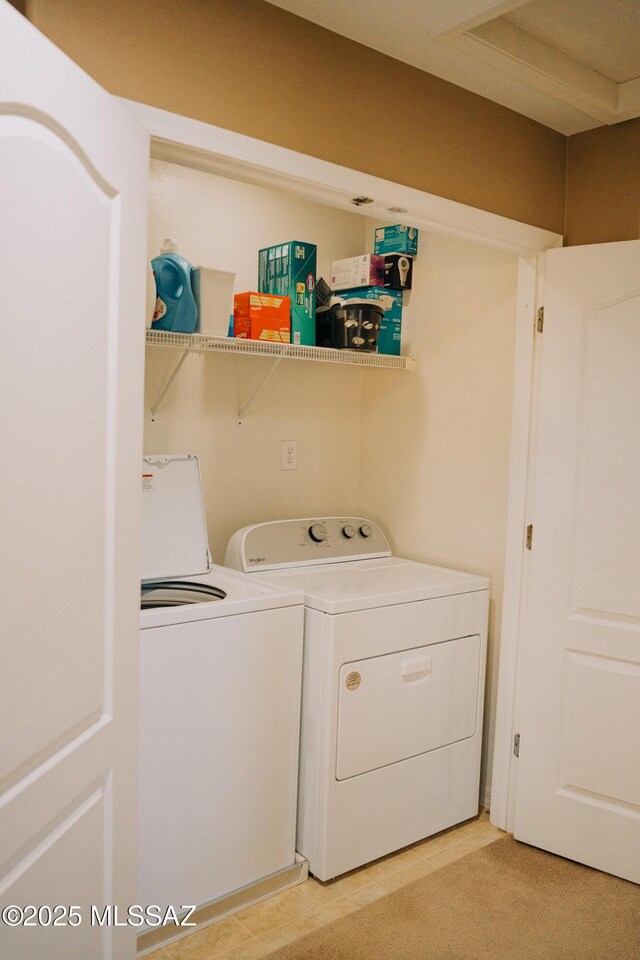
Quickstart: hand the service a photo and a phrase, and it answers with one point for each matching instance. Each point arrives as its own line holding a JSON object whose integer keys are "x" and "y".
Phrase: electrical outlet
{"x": 289, "y": 455}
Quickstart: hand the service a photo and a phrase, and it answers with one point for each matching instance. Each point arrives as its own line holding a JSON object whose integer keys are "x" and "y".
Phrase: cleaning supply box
{"x": 260, "y": 316}
{"x": 289, "y": 270}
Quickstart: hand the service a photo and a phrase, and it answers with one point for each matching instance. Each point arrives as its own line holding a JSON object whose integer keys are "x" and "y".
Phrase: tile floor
{"x": 258, "y": 930}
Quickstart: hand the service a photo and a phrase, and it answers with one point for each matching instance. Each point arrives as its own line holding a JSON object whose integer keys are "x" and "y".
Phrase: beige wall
{"x": 603, "y": 184}
{"x": 253, "y": 68}
{"x": 250, "y": 67}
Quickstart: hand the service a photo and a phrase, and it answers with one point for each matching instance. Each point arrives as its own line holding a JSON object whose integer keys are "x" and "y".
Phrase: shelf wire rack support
{"x": 161, "y": 395}
{"x": 245, "y": 406}
{"x": 199, "y": 343}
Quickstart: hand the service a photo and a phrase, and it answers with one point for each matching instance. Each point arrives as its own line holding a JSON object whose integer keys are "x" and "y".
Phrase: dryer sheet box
{"x": 389, "y": 335}
{"x": 289, "y": 270}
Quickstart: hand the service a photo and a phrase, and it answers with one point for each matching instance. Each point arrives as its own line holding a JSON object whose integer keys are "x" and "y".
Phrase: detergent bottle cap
{"x": 169, "y": 246}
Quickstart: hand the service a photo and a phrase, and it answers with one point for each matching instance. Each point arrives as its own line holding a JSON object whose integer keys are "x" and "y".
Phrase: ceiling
{"x": 570, "y": 64}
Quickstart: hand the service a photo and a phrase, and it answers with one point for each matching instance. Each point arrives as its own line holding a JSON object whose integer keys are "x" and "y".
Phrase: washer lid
{"x": 174, "y": 527}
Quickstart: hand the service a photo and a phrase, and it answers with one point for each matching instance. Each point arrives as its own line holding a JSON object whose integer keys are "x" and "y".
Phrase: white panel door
{"x": 578, "y": 789}
{"x": 73, "y": 167}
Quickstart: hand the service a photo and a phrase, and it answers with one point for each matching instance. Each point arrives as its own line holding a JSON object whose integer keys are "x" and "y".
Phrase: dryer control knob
{"x": 317, "y": 532}
{"x": 366, "y": 530}
{"x": 349, "y": 531}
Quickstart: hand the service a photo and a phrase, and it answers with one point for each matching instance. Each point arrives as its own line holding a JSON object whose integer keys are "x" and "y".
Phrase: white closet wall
{"x": 434, "y": 470}
{"x": 222, "y": 223}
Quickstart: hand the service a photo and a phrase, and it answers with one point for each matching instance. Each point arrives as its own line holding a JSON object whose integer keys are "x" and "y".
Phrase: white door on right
{"x": 578, "y": 711}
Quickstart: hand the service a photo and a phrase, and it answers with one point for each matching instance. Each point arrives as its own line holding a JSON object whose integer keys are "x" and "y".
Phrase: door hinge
{"x": 529, "y": 539}
{"x": 516, "y": 745}
{"x": 540, "y": 319}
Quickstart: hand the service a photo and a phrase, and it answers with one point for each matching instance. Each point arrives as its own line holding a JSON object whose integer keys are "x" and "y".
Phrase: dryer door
{"x": 403, "y": 704}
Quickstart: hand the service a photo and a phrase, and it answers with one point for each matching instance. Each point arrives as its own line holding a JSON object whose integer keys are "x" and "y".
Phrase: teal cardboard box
{"x": 289, "y": 270}
{"x": 396, "y": 239}
{"x": 389, "y": 338}
{"x": 391, "y": 324}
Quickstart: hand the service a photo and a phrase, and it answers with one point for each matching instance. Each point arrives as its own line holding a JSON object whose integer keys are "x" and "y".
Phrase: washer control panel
{"x": 312, "y": 540}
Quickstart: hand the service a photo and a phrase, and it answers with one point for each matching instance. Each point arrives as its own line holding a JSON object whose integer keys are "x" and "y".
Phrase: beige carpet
{"x": 507, "y": 901}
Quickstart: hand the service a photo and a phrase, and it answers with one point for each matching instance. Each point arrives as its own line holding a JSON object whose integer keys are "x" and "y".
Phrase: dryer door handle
{"x": 416, "y": 669}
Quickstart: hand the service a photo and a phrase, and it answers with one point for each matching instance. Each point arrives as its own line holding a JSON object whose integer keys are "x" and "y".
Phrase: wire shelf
{"x": 290, "y": 351}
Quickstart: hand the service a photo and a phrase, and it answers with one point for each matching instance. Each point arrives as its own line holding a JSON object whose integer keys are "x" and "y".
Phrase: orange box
{"x": 262, "y": 316}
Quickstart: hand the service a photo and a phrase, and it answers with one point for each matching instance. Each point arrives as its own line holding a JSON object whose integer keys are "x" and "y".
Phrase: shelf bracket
{"x": 198, "y": 343}
{"x": 245, "y": 406}
{"x": 154, "y": 408}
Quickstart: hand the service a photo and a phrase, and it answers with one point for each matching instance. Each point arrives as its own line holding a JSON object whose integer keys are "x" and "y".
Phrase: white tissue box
{"x": 213, "y": 293}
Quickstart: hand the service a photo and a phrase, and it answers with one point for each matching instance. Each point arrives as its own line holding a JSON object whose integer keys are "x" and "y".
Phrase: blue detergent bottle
{"x": 175, "y": 304}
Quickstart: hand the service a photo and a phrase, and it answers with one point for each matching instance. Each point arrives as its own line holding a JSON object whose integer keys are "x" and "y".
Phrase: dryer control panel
{"x": 311, "y": 540}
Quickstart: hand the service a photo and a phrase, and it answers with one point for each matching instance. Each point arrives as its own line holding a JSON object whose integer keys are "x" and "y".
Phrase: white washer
{"x": 393, "y": 684}
{"x": 220, "y": 682}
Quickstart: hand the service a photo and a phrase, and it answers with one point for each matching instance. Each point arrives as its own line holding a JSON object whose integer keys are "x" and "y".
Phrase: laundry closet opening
{"x": 423, "y": 452}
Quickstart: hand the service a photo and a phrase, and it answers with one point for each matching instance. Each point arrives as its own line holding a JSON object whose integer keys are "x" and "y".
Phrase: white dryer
{"x": 393, "y": 685}
{"x": 220, "y": 685}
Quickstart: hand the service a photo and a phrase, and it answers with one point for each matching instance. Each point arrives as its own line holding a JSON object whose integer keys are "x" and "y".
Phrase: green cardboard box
{"x": 289, "y": 270}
